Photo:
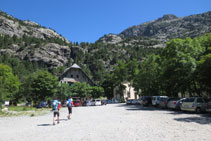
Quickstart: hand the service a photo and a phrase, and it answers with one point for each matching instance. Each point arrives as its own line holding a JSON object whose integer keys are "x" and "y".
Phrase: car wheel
{"x": 198, "y": 110}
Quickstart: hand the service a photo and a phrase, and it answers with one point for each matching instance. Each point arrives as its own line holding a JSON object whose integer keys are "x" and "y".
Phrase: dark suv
{"x": 146, "y": 100}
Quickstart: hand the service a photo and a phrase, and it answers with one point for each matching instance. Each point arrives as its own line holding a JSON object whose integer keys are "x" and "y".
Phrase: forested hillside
{"x": 30, "y": 42}
{"x": 153, "y": 62}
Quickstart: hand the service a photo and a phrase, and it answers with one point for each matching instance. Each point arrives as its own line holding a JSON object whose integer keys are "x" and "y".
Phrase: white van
{"x": 96, "y": 102}
{"x": 156, "y": 100}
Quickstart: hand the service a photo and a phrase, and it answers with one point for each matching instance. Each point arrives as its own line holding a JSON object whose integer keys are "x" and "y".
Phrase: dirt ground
{"x": 113, "y": 122}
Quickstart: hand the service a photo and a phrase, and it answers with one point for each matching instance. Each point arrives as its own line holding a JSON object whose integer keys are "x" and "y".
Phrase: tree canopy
{"x": 9, "y": 84}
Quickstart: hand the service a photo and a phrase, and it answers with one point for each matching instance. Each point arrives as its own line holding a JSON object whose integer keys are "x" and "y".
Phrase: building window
{"x": 128, "y": 94}
{"x": 71, "y": 76}
{"x": 77, "y": 76}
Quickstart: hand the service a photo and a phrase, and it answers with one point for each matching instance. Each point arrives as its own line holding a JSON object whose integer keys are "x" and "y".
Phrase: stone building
{"x": 75, "y": 74}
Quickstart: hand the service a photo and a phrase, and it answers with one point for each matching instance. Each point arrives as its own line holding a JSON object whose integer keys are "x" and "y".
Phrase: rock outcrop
{"x": 12, "y": 26}
{"x": 51, "y": 54}
{"x": 163, "y": 29}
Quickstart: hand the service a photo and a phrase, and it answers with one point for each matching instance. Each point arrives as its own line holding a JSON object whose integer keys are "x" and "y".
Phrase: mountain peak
{"x": 167, "y": 17}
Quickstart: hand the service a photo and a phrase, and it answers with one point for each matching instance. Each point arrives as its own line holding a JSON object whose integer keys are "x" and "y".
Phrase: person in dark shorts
{"x": 69, "y": 106}
{"x": 55, "y": 111}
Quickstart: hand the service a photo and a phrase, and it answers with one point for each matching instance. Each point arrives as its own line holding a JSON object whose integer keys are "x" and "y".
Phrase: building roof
{"x": 75, "y": 66}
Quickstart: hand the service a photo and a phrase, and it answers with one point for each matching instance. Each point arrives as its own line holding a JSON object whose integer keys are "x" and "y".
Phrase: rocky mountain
{"x": 50, "y": 54}
{"x": 12, "y": 26}
{"x": 162, "y": 29}
{"x": 31, "y": 41}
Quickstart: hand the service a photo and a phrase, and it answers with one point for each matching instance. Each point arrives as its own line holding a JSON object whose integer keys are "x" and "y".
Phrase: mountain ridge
{"x": 29, "y": 41}
{"x": 164, "y": 28}
{"x": 11, "y": 26}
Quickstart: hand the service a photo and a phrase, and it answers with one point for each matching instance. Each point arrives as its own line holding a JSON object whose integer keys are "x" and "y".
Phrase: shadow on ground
{"x": 52, "y": 124}
{"x": 139, "y": 107}
{"x": 45, "y": 125}
{"x": 202, "y": 119}
{"x": 63, "y": 120}
{"x": 196, "y": 118}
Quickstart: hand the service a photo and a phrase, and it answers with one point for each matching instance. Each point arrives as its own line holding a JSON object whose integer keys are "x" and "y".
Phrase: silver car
{"x": 156, "y": 100}
{"x": 208, "y": 101}
{"x": 172, "y": 103}
{"x": 194, "y": 104}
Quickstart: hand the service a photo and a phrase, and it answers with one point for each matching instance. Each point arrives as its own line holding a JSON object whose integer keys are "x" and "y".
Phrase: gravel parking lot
{"x": 113, "y": 122}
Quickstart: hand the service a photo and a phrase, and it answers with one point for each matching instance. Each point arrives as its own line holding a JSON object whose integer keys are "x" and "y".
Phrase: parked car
{"x": 135, "y": 102}
{"x": 77, "y": 103}
{"x": 208, "y": 101}
{"x": 179, "y": 103}
{"x": 88, "y": 103}
{"x": 42, "y": 104}
{"x": 115, "y": 101}
{"x": 194, "y": 104}
{"x": 163, "y": 102}
{"x": 146, "y": 100}
{"x": 109, "y": 101}
{"x": 104, "y": 102}
{"x": 96, "y": 102}
{"x": 156, "y": 100}
{"x": 129, "y": 101}
{"x": 172, "y": 102}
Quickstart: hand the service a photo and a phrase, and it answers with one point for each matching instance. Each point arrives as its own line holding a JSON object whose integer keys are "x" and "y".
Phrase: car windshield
{"x": 189, "y": 100}
{"x": 163, "y": 99}
{"x": 98, "y": 100}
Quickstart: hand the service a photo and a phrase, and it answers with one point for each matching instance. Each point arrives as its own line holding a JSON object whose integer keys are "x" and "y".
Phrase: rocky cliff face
{"x": 162, "y": 29}
{"x": 48, "y": 53}
{"x": 51, "y": 54}
{"x": 12, "y": 26}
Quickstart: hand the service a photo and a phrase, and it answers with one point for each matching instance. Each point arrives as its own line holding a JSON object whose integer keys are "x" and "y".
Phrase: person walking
{"x": 69, "y": 106}
{"x": 55, "y": 111}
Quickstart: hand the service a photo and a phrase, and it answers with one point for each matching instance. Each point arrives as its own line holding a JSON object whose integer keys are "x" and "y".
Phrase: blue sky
{"x": 88, "y": 20}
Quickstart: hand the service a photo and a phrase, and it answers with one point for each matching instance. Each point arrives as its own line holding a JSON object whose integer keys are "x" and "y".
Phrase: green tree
{"x": 120, "y": 73}
{"x": 44, "y": 86}
{"x": 149, "y": 75}
{"x": 81, "y": 89}
{"x": 179, "y": 63}
{"x": 26, "y": 88}
{"x": 64, "y": 91}
{"x": 97, "y": 91}
{"x": 9, "y": 84}
{"x": 108, "y": 86}
{"x": 132, "y": 71}
{"x": 203, "y": 73}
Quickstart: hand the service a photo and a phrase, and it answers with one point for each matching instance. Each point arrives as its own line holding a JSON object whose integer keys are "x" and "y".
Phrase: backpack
{"x": 55, "y": 104}
{"x": 69, "y": 103}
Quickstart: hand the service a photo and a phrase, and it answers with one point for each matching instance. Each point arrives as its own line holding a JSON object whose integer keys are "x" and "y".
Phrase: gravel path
{"x": 114, "y": 122}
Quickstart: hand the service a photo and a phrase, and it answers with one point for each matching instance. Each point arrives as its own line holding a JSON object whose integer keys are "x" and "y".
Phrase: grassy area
{"x": 24, "y": 111}
{"x": 21, "y": 108}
